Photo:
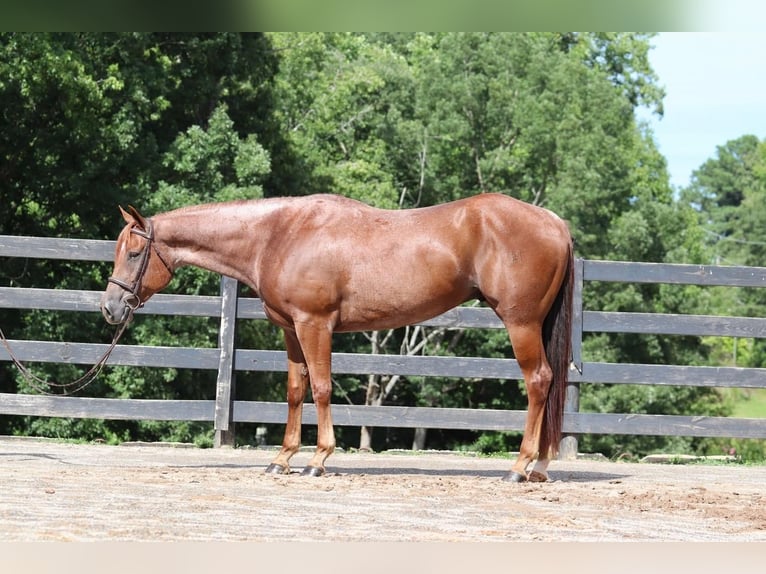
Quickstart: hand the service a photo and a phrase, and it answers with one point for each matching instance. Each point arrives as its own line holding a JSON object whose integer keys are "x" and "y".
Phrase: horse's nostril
{"x": 111, "y": 312}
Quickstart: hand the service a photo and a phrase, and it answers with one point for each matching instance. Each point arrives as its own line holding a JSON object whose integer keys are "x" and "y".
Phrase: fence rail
{"x": 225, "y": 411}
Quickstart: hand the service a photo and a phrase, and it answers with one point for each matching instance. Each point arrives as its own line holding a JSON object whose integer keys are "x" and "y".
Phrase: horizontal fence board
{"x": 394, "y": 417}
{"x": 677, "y": 375}
{"x": 250, "y": 308}
{"x": 56, "y": 248}
{"x": 472, "y": 367}
{"x": 632, "y": 272}
{"x": 73, "y": 300}
{"x": 669, "y": 324}
{"x": 191, "y": 305}
{"x": 129, "y": 355}
{"x": 360, "y": 364}
{"x": 503, "y": 420}
{"x": 663, "y": 425}
{"x": 457, "y": 318}
{"x": 389, "y": 416}
{"x": 98, "y": 408}
{"x": 466, "y": 318}
{"x": 50, "y": 299}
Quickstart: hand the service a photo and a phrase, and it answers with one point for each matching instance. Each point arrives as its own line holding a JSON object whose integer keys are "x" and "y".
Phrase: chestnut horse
{"x": 323, "y": 264}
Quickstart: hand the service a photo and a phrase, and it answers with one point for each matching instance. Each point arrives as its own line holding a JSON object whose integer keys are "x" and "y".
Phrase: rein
{"x": 133, "y": 301}
{"x": 43, "y": 386}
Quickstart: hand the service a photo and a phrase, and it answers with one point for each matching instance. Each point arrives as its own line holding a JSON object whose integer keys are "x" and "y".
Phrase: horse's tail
{"x": 557, "y": 339}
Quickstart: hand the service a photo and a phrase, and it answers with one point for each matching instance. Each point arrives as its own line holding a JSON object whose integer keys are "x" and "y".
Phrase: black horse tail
{"x": 557, "y": 340}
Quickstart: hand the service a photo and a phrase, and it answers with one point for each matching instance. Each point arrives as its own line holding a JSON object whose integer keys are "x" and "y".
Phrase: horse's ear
{"x": 132, "y": 216}
{"x": 125, "y": 215}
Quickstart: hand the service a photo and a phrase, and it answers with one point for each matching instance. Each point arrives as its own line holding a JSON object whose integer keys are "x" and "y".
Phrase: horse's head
{"x": 139, "y": 272}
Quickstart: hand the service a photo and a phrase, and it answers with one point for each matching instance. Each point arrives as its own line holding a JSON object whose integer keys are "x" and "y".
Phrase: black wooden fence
{"x": 227, "y": 359}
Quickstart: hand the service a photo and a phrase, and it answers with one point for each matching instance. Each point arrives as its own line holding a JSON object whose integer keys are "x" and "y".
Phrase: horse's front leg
{"x": 316, "y": 343}
{"x": 297, "y": 383}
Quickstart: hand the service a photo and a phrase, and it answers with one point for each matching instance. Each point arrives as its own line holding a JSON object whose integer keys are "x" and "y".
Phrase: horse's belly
{"x": 399, "y": 308}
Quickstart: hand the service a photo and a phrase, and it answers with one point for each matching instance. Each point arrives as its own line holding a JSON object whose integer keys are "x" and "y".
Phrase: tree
{"x": 345, "y": 104}
{"x": 718, "y": 189}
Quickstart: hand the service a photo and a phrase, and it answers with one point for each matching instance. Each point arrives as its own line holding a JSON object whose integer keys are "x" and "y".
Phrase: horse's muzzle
{"x": 116, "y": 312}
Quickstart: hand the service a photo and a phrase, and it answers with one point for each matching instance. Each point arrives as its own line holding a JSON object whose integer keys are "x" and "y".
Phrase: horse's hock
{"x": 58, "y": 491}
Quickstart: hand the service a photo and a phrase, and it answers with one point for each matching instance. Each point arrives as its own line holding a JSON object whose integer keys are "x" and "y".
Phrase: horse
{"x": 326, "y": 263}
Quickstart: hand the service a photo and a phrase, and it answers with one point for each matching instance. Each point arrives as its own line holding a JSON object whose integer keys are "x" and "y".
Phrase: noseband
{"x": 134, "y": 301}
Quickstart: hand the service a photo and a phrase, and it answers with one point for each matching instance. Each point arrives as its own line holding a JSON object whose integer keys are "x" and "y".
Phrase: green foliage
{"x": 343, "y": 100}
{"x": 498, "y": 442}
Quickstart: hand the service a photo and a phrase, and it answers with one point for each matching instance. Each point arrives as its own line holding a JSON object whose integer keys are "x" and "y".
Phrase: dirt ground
{"x": 67, "y": 492}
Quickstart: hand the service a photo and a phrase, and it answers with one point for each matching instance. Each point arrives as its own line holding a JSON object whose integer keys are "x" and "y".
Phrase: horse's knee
{"x": 322, "y": 394}
{"x": 296, "y": 389}
{"x": 295, "y": 396}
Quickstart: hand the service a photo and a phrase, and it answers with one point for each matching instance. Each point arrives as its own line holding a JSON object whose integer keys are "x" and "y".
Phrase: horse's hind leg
{"x": 297, "y": 382}
{"x": 530, "y": 353}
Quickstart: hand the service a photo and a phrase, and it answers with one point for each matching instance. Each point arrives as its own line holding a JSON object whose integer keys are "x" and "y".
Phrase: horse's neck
{"x": 220, "y": 238}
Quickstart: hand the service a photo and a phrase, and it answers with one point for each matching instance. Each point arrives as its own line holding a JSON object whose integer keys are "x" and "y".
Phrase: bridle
{"x": 134, "y": 300}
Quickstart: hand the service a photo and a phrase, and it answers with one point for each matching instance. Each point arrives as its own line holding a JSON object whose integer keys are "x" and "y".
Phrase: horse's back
{"x": 495, "y": 210}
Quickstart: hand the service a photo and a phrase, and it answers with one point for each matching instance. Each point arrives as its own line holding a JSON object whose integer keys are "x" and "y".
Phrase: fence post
{"x": 225, "y": 384}
{"x": 568, "y": 446}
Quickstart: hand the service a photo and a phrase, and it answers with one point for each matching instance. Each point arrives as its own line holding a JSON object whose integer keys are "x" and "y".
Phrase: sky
{"x": 715, "y": 87}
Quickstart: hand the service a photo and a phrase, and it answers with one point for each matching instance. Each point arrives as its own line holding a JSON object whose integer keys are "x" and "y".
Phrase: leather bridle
{"x": 134, "y": 300}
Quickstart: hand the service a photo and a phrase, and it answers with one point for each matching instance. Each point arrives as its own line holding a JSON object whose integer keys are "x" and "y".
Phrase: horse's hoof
{"x": 537, "y": 476}
{"x": 275, "y": 468}
{"x": 312, "y": 471}
{"x": 514, "y": 476}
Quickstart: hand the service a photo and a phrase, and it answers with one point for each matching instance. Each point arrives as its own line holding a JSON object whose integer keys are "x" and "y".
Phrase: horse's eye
{"x": 133, "y": 254}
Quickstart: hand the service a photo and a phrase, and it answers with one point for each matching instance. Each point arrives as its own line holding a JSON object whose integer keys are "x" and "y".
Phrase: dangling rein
{"x": 43, "y": 386}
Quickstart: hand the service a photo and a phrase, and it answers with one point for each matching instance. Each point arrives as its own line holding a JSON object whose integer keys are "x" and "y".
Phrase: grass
{"x": 750, "y": 403}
